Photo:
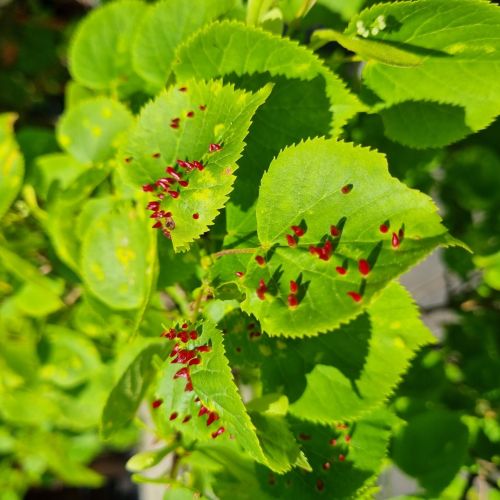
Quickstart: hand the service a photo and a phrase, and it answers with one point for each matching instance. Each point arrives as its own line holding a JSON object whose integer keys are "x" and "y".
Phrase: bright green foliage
{"x": 257, "y": 136}
{"x": 116, "y": 256}
{"x": 11, "y": 163}
{"x": 127, "y": 394}
{"x": 311, "y": 177}
{"x": 371, "y": 353}
{"x": 154, "y": 144}
{"x": 216, "y": 51}
{"x": 457, "y": 39}
{"x": 100, "y": 55}
{"x": 163, "y": 28}
{"x": 431, "y": 448}
{"x": 213, "y": 384}
{"x": 91, "y": 130}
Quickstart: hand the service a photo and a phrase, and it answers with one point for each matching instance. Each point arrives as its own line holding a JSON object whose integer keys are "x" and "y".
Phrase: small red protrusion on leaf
{"x": 383, "y": 228}
{"x": 183, "y": 164}
{"x": 240, "y": 274}
{"x": 198, "y": 165}
{"x": 355, "y": 296}
{"x": 174, "y": 194}
{"x": 298, "y": 231}
{"x": 334, "y": 231}
{"x": 203, "y": 348}
{"x": 260, "y": 260}
{"x": 291, "y": 241}
{"x": 153, "y": 205}
{"x": 202, "y": 411}
{"x": 202, "y": 107}
{"x": 320, "y": 485}
{"x": 341, "y": 270}
{"x": 157, "y": 225}
{"x": 182, "y": 373}
{"x": 148, "y": 188}
{"x": 184, "y": 326}
{"x": 214, "y": 147}
{"x": 218, "y": 432}
{"x": 156, "y": 155}
{"x": 347, "y": 188}
{"x": 293, "y": 301}
{"x": 193, "y": 334}
{"x": 212, "y": 418}
{"x": 189, "y": 387}
{"x": 183, "y": 336}
{"x": 157, "y": 403}
{"x": 174, "y": 124}
{"x": 194, "y": 361}
{"x": 173, "y": 415}
{"x": 395, "y": 241}
{"x": 401, "y": 234}
{"x": 364, "y": 267}
{"x": 190, "y": 114}
{"x": 341, "y": 457}
{"x": 182, "y": 89}
{"x": 261, "y": 290}
{"x": 332, "y": 442}
{"x": 326, "y": 465}
{"x": 128, "y": 160}
{"x": 186, "y": 419}
{"x": 171, "y": 171}
{"x": 167, "y": 234}
{"x": 196, "y": 216}
{"x": 304, "y": 437}
{"x": 347, "y": 438}
{"x": 294, "y": 287}
{"x": 175, "y": 350}
{"x": 171, "y": 334}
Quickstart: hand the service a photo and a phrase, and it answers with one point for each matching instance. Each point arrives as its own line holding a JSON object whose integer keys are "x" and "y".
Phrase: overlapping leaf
{"x": 213, "y": 388}
{"x": 100, "y": 53}
{"x": 116, "y": 256}
{"x": 163, "y": 28}
{"x": 11, "y": 163}
{"x": 460, "y": 44}
{"x": 220, "y": 115}
{"x": 375, "y": 218}
{"x": 358, "y": 366}
{"x": 217, "y": 49}
{"x": 91, "y": 130}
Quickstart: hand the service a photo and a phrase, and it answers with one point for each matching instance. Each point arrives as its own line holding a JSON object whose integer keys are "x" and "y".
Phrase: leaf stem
{"x": 233, "y": 251}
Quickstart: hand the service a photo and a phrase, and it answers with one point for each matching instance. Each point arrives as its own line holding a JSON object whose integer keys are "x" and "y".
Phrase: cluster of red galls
{"x": 188, "y": 358}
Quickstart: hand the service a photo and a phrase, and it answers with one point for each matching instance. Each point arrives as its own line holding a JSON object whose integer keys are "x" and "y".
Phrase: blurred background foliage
{"x": 61, "y": 348}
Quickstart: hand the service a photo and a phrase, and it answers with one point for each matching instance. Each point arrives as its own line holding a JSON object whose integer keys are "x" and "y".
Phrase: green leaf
{"x": 163, "y": 28}
{"x": 312, "y": 177}
{"x": 126, "y": 396}
{"x": 115, "y": 256}
{"x": 91, "y": 130}
{"x": 147, "y": 459}
{"x": 341, "y": 469}
{"x": 70, "y": 358}
{"x": 154, "y": 144}
{"x": 368, "y": 49}
{"x": 216, "y": 51}
{"x": 353, "y": 370}
{"x": 431, "y": 448}
{"x": 11, "y": 163}
{"x": 100, "y": 53}
{"x": 491, "y": 266}
{"x": 213, "y": 383}
{"x": 346, "y": 8}
{"x": 457, "y": 38}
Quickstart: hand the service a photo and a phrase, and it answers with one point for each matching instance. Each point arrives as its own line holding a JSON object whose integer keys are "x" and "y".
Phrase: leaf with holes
{"x": 91, "y": 130}
{"x": 11, "y": 163}
{"x": 216, "y": 51}
{"x": 184, "y": 150}
{"x": 340, "y": 228}
{"x": 163, "y": 28}
{"x": 459, "y": 41}
{"x": 196, "y": 394}
{"x": 100, "y": 55}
